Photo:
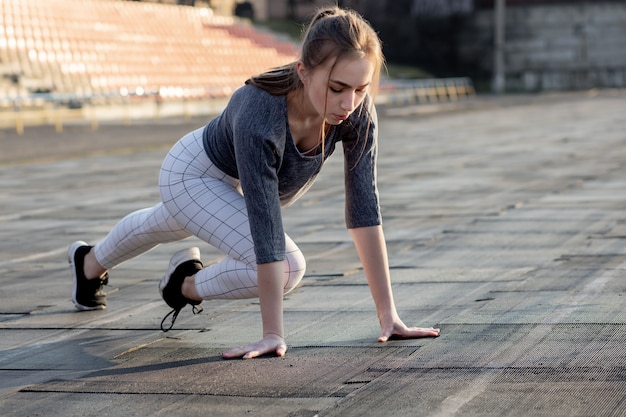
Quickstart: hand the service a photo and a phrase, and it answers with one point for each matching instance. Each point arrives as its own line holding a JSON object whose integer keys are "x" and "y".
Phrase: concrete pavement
{"x": 506, "y": 226}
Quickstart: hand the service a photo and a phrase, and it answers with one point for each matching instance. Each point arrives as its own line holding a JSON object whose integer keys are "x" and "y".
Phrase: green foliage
{"x": 406, "y": 72}
{"x": 291, "y": 29}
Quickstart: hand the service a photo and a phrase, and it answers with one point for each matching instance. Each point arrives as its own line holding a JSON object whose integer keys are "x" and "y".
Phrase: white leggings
{"x": 198, "y": 199}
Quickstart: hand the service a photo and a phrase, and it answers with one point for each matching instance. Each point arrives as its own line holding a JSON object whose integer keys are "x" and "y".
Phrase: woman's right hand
{"x": 271, "y": 343}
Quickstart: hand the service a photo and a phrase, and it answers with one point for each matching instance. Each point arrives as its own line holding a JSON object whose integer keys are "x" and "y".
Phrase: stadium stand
{"x": 93, "y": 60}
{"x": 107, "y": 48}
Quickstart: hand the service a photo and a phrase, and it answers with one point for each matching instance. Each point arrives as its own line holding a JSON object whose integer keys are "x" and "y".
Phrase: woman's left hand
{"x": 270, "y": 344}
{"x": 397, "y": 329}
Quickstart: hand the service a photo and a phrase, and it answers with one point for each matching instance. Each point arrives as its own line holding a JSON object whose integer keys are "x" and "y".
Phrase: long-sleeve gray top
{"x": 250, "y": 140}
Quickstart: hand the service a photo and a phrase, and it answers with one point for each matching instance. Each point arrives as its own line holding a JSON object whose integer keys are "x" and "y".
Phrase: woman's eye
{"x": 359, "y": 91}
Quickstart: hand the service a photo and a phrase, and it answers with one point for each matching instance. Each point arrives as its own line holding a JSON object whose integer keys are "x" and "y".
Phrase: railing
{"x": 423, "y": 91}
{"x": 58, "y": 110}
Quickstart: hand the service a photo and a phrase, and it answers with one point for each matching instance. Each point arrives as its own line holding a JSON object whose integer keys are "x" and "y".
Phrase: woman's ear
{"x": 301, "y": 70}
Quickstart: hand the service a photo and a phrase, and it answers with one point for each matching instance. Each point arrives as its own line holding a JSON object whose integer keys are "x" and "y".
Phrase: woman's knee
{"x": 295, "y": 267}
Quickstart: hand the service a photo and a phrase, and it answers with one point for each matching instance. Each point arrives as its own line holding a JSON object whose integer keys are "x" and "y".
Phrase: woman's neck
{"x": 300, "y": 109}
{"x": 305, "y": 123}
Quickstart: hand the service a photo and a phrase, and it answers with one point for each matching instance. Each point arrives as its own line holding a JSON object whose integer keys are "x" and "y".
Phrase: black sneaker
{"x": 88, "y": 294}
{"x": 183, "y": 264}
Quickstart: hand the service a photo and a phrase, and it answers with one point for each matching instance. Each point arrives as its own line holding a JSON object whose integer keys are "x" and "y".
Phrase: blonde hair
{"x": 333, "y": 33}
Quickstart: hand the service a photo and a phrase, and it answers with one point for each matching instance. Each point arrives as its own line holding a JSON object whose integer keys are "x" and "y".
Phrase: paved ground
{"x": 506, "y": 224}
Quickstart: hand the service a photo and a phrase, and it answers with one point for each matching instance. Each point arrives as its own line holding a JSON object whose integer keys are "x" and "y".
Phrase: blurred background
{"x": 92, "y": 60}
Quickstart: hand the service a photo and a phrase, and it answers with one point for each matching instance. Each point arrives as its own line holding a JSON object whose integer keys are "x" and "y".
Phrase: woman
{"x": 226, "y": 183}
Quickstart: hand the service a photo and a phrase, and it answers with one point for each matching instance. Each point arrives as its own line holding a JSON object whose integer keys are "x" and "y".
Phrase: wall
{"x": 553, "y": 47}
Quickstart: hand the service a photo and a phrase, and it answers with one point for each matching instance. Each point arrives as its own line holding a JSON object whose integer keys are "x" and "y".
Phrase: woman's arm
{"x": 270, "y": 280}
{"x": 372, "y": 249}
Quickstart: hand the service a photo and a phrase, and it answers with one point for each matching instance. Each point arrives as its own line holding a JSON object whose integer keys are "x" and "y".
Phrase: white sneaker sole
{"x": 180, "y": 257}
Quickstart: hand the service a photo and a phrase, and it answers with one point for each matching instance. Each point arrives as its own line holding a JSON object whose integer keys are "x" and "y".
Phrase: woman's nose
{"x": 348, "y": 102}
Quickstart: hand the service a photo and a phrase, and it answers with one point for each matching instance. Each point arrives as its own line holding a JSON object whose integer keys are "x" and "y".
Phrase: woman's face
{"x": 343, "y": 89}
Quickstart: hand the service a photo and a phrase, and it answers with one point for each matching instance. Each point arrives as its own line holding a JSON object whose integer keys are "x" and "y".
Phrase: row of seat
{"x": 109, "y": 47}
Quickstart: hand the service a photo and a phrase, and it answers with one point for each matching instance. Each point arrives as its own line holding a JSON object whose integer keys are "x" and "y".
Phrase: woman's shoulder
{"x": 251, "y": 94}
{"x": 252, "y": 103}
{"x": 253, "y": 109}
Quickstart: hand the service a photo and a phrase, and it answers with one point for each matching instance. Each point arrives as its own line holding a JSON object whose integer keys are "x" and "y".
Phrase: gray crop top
{"x": 250, "y": 140}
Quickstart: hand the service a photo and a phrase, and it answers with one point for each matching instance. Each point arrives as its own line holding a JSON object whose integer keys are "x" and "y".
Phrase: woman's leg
{"x": 138, "y": 233}
{"x": 235, "y": 279}
{"x": 209, "y": 204}
{"x": 135, "y": 234}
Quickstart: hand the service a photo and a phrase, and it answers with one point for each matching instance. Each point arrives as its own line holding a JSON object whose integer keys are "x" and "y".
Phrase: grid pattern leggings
{"x": 198, "y": 199}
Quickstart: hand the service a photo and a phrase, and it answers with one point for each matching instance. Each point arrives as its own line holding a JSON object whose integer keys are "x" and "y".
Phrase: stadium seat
{"x": 113, "y": 47}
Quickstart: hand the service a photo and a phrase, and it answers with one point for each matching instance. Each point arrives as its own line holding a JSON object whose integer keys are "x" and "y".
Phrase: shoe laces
{"x": 97, "y": 285}
{"x": 196, "y": 309}
{"x": 101, "y": 282}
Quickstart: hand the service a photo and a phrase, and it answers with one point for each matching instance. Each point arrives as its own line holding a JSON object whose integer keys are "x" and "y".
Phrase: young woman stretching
{"x": 225, "y": 183}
